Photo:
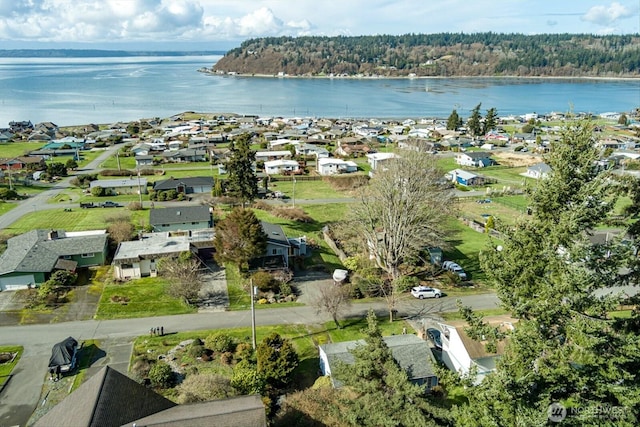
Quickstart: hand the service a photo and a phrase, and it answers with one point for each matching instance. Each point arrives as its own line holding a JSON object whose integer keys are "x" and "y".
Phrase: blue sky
{"x": 222, "y": 24}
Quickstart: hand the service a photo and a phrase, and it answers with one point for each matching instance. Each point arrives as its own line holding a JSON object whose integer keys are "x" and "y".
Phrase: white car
{"x": 422, "y": 292}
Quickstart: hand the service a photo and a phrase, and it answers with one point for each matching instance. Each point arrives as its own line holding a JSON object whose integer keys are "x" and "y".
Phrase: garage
{"x": 17, "y": 282}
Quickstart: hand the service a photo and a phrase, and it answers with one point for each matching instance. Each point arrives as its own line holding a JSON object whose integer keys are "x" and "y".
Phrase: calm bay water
{"x": 104, "y": 90}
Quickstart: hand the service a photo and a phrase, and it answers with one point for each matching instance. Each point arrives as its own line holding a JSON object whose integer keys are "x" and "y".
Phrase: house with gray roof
{"x": 31, "y": 257}
{"x": 412, "y": 353}
{"x": 138, "y": 258}
{"x": 111, "y": 399}
{"x": 474, "y": 158}
{"x": 181, "y": 218}
{"x": 187, "y": 185}
{"x": 113, "y": 187}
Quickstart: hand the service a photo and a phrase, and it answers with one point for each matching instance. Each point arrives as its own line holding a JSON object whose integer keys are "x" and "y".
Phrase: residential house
{"x": 142, "y": 149}
{"x": 332, "y": 165}
{"x": 412, "y": 353}
{"x": 22, "y": 162}
{"x": 281, "y": 166}
{"x": 376, "y": 160}
{"x": 273, "y": 155}
{"x": 279, "y": 247}
{"x": 312, "y": 150}
{"x": 180, "y": 218}
{"x": 113, "y": 187}
{"x": 138, "y": 258}
{"x": 47, "y": 128}
{"x": 184, "y": 155}
{"x": 474, "y": 158}
{"x": 6, "y": 135}
{"x": 189, "y": 185}
{"x": 111, "y": 399}
{"x": 351, "y": 146}
{"x": 144, "y": 160}
{"x": 465, "y": 178}
{"x": 538, "y": 171}
{"x": 30, "y": 258}
{"x": 460, "y": 353}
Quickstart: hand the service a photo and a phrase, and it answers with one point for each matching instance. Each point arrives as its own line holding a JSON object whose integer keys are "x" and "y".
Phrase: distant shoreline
{"x": 356, "y": 77}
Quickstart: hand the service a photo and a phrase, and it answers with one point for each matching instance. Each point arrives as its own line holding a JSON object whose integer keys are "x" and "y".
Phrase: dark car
{"x": 436, "y": 337}
{"x": 110, "y": 205}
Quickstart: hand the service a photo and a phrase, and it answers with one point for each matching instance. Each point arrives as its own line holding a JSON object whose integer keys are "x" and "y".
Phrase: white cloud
{"x": 607, "y": 15}
{"x": 106, "y": 21}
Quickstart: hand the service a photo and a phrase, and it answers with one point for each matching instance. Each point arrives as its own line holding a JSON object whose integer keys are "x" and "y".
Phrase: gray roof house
{"x": 196, "y": 184}
{"x": 31, "y": 257}
{"x": 114, "y": 187}
{"x": 181, "y": 218}
{"x": 538, "y": 171}
{"x": 137, "y": 258}
{"x": 280, "y": 249}
{"x": 412, "y": 353}
{"x": 111, "y": 399}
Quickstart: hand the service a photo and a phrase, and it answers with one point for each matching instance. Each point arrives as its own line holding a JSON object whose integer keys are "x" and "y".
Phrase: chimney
{"x": 52, "y": 235}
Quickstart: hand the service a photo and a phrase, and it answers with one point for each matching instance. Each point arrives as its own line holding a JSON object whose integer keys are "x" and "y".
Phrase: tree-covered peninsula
{"x": 438, "y": 55}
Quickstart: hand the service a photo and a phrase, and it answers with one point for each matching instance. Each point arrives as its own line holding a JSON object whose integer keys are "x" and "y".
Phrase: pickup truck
{"x": 110, "y": 204}
{"x": 88, "y": 205}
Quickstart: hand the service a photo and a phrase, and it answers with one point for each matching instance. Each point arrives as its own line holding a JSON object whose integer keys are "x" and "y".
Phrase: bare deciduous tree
{"x": 334, "y": 300}
{"x": 184, "y": 273}
{"x": 402, "y": 211}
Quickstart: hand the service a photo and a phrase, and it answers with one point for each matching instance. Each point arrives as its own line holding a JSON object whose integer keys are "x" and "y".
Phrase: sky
{"x": 224, "y": 24}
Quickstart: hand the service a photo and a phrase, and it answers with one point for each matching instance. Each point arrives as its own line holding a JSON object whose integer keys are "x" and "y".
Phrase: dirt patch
{"x": 516, "y": 159}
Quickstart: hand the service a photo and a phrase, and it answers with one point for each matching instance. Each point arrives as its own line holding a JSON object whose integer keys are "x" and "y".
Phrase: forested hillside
{"x": 445, "y": 54}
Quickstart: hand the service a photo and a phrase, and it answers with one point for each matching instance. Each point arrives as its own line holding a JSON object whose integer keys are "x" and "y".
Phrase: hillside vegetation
{"x": 444, "y": 55}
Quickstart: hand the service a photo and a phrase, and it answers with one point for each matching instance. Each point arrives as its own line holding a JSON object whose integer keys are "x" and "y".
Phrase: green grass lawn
{"x": 146, "y": 297}
{"x": 15, "y": 149}
{"x": 6, "y": 206}
{"x": 76, "y": 220}
{"x": 464, "y": 247}
{"x": 7, "y": 368}
{"x": 307, "y": 190}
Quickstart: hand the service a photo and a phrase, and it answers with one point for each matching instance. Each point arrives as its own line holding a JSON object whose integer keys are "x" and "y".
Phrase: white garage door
{"x": 15, "y": 283}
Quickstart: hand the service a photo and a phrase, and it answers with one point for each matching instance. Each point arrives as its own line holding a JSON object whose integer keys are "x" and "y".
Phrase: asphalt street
{"x": 22, "y": 393}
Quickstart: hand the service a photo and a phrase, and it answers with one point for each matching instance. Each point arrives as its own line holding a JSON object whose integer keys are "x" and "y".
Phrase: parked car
{"x": 422, "y": 292}
{"x": 109, "y": 204}
{"x": 88, "y": 205}
{"x": 455, "y": 269}
{"x": 435, "y": 337}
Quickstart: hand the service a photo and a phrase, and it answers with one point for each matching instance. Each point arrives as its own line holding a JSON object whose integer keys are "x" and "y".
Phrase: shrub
{"x": 196, "y": 351}
{"x": 140, "y": 368}
{"x": 285, "y": 289}
{"x": 220, "y": 342}
{"x": 244, "y": 351}
{"x": 407, "y": 282}
{"x": 264, "y": 281}
{"x": 246, "y": 379}
{"x": 161, "y": 375}
{"x": 294, "y": 214}
{"x": 197, "y": 341}
{"x": 97, "y": 191}
{"x": 204, "y": 387}
{"x": 226, "y": 358}
{"x": 134, "y": 206}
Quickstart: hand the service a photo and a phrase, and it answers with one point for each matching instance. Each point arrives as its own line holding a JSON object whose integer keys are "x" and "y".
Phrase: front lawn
{"x": 319, "y": 189}
{"x": 13, "y": 354}
{"x": 76, "y": 220}
{"x": 464, "y": 247}
{"x": 144, "y": 297}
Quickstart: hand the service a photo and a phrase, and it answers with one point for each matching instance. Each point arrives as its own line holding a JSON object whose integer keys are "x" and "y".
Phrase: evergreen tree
{"x": 566, "y": 346}
{"x": 490, "y": 120}
{"x": 474, "y": 126}
{"x": 276, "y": 359}
{"x": 242, "y": 182}
{"x": 239, "y": 237}
{"x": 454, "y": 121}
{"x": 378, "y": 391}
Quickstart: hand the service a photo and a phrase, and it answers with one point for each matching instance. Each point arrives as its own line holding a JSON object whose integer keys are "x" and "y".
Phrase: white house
{"x": 280, "y": 166}
{"x": 331, "y": 166}
{"x": 474, "y": 158}
{"x": 460, "y": 353}
{"x": 377, "y": 159}
{"x": 538, "y": 171}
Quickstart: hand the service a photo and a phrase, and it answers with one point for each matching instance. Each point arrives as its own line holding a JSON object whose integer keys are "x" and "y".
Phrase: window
{"x": 126, "y": 266}
{"x": 88, "y": 255}
{"x": 66, "y": 257}
{"x": 274, "y": 251}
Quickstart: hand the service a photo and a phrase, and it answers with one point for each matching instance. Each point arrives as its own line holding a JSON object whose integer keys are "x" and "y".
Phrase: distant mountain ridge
{"x": 438, "y": 55}
{"x": 96, "y": 53}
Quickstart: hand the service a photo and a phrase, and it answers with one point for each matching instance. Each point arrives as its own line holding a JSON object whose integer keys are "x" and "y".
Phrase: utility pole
{"x": 294, "y": 191}
{"x": 253, "y": 315}
{"x": 139, "y": 188}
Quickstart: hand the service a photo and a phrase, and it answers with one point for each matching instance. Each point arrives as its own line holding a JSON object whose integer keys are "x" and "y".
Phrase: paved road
{"x": 39, "y": 201}
{"x": 22, "y": 394}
